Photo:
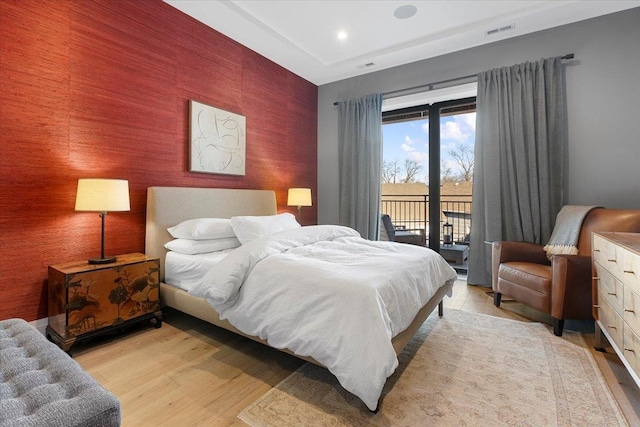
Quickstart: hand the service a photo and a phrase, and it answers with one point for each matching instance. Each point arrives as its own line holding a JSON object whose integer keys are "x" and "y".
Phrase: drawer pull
{"x": 596, "y": 250}
{"x": 596, "y": 306}
{"x": 612, "y": 260}
{"x": 595, "y": 278}
{"x": 629, "y": 311}
{"x": 630, "y": 349}
{"x": 611, "y": 327}
{"x": 629, "y": 271}
{"x": 611, "y": 293}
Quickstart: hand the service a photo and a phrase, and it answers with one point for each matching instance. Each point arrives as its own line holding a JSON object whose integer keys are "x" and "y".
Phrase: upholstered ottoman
{"x": 41, "y": 385}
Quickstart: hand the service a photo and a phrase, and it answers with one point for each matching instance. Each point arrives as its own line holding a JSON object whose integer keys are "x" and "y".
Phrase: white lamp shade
{"x": 299, "y": 197}
{"x": 102, "y": 195}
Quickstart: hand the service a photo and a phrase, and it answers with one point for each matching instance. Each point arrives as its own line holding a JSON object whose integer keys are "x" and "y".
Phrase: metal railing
{"x": 412, "y": 212}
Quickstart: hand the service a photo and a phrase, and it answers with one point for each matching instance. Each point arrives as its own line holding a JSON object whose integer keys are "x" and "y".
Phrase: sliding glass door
{"x": 428, "y": 168}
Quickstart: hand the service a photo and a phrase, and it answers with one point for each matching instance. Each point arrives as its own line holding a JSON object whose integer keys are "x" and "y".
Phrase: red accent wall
{"x": 101, "y": 89}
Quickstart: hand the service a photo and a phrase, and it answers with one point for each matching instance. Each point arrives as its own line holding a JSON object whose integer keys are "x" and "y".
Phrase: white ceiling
{"x": 301, "y": 35}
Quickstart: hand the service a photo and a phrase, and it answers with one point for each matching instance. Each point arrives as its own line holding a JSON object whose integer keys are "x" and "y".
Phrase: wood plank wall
{"x": 101, "y": 89}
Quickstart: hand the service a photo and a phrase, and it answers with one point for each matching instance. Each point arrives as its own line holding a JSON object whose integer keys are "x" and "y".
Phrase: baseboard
{"x": 40, "y": 325}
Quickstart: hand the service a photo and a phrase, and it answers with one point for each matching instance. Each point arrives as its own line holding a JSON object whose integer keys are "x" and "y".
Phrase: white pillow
{"x": 193, "y": 247}
{"x": 248, "y": 228}
{"x": 203, "y": 229}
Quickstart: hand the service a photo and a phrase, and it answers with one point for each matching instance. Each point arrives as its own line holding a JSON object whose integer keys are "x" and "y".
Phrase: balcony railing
{"x": 412, "y": 212}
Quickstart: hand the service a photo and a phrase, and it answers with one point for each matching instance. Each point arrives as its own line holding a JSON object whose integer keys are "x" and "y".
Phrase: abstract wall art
{"x": 217, "y": 140}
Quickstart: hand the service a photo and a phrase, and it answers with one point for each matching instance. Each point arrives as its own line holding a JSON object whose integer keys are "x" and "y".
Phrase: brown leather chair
{"x": 561, "y": 287}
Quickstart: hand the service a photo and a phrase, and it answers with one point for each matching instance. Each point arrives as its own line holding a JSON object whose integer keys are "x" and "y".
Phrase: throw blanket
{"x": 325, "y": 292}
{"x": 564, "y": 239}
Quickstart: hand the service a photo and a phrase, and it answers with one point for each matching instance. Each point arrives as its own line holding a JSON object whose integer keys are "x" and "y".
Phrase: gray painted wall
{"x": 603, "y": 90}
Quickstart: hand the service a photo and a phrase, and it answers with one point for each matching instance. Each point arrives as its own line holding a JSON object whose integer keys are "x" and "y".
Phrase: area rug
{"x": 464, "y": 369}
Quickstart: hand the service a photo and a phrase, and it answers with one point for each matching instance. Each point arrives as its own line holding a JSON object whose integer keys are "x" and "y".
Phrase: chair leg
{"x": 497, "y": 297}
{"x": 558, "y": 326}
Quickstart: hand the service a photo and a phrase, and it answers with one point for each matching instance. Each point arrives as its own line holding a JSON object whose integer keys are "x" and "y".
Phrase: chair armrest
{"x": 414, "y": 236}
{"x": 420, "y": 231}
{"x": 571, "y": 275}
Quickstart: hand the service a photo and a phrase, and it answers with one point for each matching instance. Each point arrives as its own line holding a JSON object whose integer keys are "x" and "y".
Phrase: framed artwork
{"x": 217, "y": 140}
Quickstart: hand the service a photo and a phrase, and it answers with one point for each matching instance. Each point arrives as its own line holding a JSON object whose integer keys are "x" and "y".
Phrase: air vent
{"x": 500, "y": 29}
{"x": 367, "y": 65}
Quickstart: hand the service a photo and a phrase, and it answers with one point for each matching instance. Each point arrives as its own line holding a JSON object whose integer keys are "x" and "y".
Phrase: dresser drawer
{"x": 609, "y": 289}
{"x": 631, "y": 349}
{"x": 604, "y": 253}
{"x": 631, "y": 314}
{"x": 629, "y": 264}
{"x": 610, "y": 322}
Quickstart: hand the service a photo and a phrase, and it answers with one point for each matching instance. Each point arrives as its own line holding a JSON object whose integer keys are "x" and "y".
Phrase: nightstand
{"x": 87, "y": 300}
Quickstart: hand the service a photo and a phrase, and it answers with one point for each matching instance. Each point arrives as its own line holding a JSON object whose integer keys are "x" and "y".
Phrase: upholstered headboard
{"x": 168, "y": 206}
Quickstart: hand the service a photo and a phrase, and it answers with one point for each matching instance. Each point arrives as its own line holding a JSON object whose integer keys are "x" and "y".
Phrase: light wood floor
{"x": 190, "y": 373}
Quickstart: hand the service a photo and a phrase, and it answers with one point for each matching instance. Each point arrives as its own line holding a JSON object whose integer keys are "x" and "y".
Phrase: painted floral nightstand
{"x": 87, "y": 300}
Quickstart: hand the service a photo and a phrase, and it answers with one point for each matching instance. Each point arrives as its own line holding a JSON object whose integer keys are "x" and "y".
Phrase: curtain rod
{"x": 429, "y": 86}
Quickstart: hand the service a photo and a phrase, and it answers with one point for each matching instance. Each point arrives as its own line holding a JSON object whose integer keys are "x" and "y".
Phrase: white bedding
{"x": 324, "y": 292}
{"x": 183, "y": 271}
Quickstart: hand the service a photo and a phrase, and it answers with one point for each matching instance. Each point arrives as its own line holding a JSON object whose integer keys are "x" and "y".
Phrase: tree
{"x": 446, "y": 174}
{"x": 463, "y": 156}
{"x": 411, "y": 169}
{"x": 390, "y": 171}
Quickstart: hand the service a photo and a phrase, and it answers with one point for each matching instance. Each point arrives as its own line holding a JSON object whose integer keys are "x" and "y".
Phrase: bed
{"x": 168, "y": 206}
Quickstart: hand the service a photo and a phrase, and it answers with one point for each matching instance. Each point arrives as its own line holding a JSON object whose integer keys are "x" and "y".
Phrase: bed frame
{"x": 168, "y": 206}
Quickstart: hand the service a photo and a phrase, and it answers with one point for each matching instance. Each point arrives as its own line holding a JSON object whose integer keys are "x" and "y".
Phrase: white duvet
{"x": 325, "y": 292}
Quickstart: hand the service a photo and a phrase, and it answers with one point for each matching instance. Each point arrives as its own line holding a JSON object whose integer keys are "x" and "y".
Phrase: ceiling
{"x": 302, "y": 37}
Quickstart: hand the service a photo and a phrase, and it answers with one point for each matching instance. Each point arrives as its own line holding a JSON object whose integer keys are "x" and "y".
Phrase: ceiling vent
{"x": 500, "y": 29}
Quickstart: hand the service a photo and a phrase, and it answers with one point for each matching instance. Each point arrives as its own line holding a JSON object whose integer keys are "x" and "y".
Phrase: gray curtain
{"x": 360, "y": 142}
{"x": 520, "y": 140}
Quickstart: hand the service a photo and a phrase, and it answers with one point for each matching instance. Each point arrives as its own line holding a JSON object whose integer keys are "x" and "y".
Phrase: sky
{"x": 410, "y": 140}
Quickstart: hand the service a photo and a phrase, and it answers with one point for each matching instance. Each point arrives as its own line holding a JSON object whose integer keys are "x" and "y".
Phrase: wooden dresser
{"x": 616, "y": 281}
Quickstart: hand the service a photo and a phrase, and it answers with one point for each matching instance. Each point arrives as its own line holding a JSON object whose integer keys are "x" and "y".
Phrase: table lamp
{"x": 299, "y": 197}
{"x": 102, "y": 195}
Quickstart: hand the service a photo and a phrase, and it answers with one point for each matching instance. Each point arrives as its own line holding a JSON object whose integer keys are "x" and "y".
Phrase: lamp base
{"x": 105, "y": 260}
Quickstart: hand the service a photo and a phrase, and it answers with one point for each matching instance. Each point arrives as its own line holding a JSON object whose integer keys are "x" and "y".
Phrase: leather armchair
{"x": 560, "y": 287}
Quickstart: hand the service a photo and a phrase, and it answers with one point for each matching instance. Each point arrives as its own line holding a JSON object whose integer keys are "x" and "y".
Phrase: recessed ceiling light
{"x": 405, "y": 12}
{"x": 342, "y": 35}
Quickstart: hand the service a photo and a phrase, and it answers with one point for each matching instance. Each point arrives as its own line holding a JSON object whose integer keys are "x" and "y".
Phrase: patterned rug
{"x": 464, "y": 369}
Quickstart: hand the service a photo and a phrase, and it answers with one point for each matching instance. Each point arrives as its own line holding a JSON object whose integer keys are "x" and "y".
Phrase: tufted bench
{"x": 40, "y": 385}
